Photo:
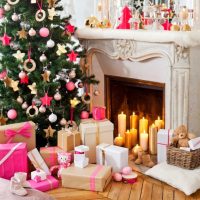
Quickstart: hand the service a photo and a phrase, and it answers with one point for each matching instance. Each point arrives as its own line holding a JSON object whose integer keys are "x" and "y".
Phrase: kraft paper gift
{"x": 38, "y": 161}
{"x": 93, "y": 177}
{"x": 68, "y": 140}
{"x": 49, "y": 154}
{"x": 94, "y": 133}
{"x": 19, "y": 132}
{"x": 111, "y": 155}
{"x": 48, "y": 184}
{"x": 13, "y": 158}
{"x": 163, "y": 140}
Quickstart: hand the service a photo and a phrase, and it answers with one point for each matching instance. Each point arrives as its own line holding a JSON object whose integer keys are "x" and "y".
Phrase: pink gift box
{"x": 13, "y": 158}
{"x": 99, "y": 113}
{"x": 48, "y": 184}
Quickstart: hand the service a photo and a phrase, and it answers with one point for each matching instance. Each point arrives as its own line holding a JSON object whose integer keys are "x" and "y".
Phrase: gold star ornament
{"x": 46, "y": 76}
{"x": 49, "y": 132}
{"x": 7, "y": 81}
{"x": 22, "y": 34}
{"x": 52, "y": 13}
{"x": 33, "y": 88}
{"x": 61, "y": 49}
{"x": 14, "y": 85}
{"x": 52, "y": 3}
{"x": 3, "y": 120}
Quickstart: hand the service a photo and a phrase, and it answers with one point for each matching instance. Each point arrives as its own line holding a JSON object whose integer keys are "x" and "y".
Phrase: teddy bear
{"x": 144, "y": 159}
{"x": 180, "y": 137}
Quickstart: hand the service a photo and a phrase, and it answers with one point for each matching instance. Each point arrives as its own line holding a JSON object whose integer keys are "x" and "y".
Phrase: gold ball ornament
{"x": 175, "y": 27}
{"x": 119, "y": 141}
{"x": 33, "y": 65}
{"x": 32, "y": 111}
{"x": 11, "y": 2}
{"x": 40, "y": 15}
{"x": 186, "y": 27}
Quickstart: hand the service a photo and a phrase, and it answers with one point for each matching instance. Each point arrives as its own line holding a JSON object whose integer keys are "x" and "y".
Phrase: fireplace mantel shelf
{"x": 184, "y": 39}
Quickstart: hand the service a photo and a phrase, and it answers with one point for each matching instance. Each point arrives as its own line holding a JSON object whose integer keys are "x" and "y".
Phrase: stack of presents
{"x": 84, "y": 158}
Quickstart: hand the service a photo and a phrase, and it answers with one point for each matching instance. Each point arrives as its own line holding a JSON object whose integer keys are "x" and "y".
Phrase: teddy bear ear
{"x": 183, "y": 129}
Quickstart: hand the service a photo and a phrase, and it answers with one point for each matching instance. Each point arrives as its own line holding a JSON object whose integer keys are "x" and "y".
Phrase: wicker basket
{"x": 182, "y": 158}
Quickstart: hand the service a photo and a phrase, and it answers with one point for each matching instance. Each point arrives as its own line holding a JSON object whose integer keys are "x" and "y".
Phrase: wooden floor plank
{"x": 115, "y": 190}
{"x": 168, "y": 194}
{"x": 191, "y": 197}
{"x": 157, "y": 192}
{"x": 125, "y": 192}
{"x": 178, "y": 195}
{"x": 146, "y": 190}
{"x": 136, "y": 189}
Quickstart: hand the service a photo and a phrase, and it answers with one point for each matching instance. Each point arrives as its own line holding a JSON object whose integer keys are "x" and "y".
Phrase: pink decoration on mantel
{"x": 166, "y": 25}
{"x": 99, "y": 113}
{"x": 126, "y": 16}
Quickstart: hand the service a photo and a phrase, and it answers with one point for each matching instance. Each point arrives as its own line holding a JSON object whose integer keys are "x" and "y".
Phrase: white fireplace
{"x": 166, "y": 57}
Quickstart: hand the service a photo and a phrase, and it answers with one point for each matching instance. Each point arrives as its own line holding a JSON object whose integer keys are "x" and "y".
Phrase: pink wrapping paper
{"x": 99, "y": 113}
{"x": 48, "y": 184}
{"x": 16, "y": 162}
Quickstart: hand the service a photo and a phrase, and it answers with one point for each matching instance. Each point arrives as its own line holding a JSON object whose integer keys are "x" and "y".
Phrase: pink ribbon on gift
{"x": 24, "y": 131}
{"x": 37, "y": 179}
{"x": 78, "y": 152}
{"x": 93, "y": 176}
{"x": 168, "y": 139}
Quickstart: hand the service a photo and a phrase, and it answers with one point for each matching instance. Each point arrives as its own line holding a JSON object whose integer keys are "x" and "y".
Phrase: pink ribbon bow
{"x": 37, "y": 179}
{"x": 24, "y": 131}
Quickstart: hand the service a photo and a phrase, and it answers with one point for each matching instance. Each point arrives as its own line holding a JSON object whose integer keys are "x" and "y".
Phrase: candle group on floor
{"x": 139, "y": 131}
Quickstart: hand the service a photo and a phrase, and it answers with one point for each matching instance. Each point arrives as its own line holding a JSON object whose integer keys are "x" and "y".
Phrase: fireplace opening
{"x": 126, "y": 95}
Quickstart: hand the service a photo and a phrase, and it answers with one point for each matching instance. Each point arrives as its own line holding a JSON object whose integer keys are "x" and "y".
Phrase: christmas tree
{"x": 40, "y": 74}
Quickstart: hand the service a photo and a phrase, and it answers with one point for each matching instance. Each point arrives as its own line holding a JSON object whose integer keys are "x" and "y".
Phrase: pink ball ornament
{"x": 70, "y": 86}
{"x": 44, "y": 32}
{"x": 117, "y": 177}
{"x": 12, "y": 114}
{"x": 84, "y": 115}
{"x": 22, "y": 75}
{"x": 1, "y": 13}
{"x": 126, "y": 170}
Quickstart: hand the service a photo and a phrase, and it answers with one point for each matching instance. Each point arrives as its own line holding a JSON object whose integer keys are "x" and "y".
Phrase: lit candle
{"x": 119, "y": 141}
{"x": 153, "y": 139}
{"x": 136, "y": 149}
{"x": 144, "y": 141}
{"x": 122, "y": 124}
{"x": 159, "y": 123}
{"x": 143, "y": 125}
{"x": 134, "y": 121}
{"x": 134, "y": 137}
{"x": 128, "y": 139}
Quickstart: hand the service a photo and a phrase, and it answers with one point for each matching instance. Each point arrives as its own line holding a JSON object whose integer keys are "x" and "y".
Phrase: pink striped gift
{"x": 13, "y": 158}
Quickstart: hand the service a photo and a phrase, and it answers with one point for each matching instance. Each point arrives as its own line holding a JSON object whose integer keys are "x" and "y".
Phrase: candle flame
{"x": 128, "y": 131}
{"x": 119, "y": 135}
{"x": 133, "y": 113}
{"x": 122, "y": 112}
{"x": 143, "y": 118}
{"x": 153, "y": 125}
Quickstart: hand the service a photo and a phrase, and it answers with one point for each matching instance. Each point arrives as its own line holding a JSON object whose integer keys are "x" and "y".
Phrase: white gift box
{"x": 38, "y": 175}
{"x": 111, "y": 155}
{"x": 163, "y": 140}
{"x": 37, "y": 161}
{"x": 82, "y": 163}
{"x": 79, "y": 154}
{"x": 194, "y": 143}
{"x": 94, "y": 133}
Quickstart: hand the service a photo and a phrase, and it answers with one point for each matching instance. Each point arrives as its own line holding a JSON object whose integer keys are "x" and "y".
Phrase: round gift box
{"x": 131, "y": 178}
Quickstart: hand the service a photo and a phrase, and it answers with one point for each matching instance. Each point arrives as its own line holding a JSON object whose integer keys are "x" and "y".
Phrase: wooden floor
{"x": 145, "y": 189}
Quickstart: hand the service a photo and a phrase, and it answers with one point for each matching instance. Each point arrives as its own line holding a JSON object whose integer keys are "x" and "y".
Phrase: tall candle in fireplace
{"x": 122, "y": 124}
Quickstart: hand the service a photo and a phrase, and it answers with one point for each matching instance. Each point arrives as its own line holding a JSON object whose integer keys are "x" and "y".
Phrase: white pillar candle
{"x": 122, "y": 124}
{"x": 144, "y": 141}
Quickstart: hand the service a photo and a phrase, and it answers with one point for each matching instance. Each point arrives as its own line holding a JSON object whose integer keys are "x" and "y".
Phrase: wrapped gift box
{"x": 194, "y": 143}
{"x": 48, "y": 184}
{"x": 94, "y": 133}
{"x": 49, "y": 154}
{"x": 111, "y": 155}
{"x": 38, "y": 175}
{"x": 93, "y": 177}
{"x": 98, "y": 113}
{"x": 19, "y": 132}
{"x": 13, "y": 158}
{"x": 68, "y": 140}
{"x": 80, "y": 160}
{"x": 38, "y": 161}
{"x": 163, "y": 140}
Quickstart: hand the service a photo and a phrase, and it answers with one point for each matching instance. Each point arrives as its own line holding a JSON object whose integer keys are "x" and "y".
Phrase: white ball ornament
{"x": 22, "y": 74}
{"x": 43, "y": 58}
{"x": 15, "y": 17}
{"x": 20, "y": 99}
{"x": 57, "y": 96}
{"x": 50, "y": 43}
{"x": 7, "y": 7}
{"x": 42, "y": 109}
{"x": 32, "y": 32}
{"x": 63, "y": 122}
{"x": 24, "y": 105}
{"x": 52, "y": 118}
